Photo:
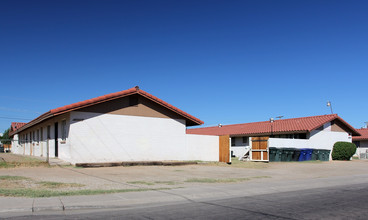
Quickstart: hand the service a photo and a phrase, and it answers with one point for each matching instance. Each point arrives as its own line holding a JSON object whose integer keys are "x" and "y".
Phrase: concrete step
{"x": 57, "y": 162}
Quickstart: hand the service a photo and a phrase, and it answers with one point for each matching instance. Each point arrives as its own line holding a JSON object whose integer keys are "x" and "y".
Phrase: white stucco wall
{"x": 289, "y": 143}
{"x": 202, "y": 147}
{"x": 318, "y": 139}
{"x": 108, "y": 138}
{"x": 362, "y": 149}
{"x": 326, "y": 139}
{"x": 240, "y": 148}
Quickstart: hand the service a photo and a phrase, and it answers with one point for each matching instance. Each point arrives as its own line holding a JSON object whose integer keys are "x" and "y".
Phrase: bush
{"x": 343, "y": 150}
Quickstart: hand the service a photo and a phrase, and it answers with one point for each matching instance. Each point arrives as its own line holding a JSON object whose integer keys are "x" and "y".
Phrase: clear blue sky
{"x": 221, "y": 61}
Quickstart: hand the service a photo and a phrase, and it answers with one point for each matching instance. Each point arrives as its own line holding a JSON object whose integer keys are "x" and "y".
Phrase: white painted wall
{"x": 15, "y": 146}
{"x": 240, "y": 148}
{"x": 28, "y": 146}
{"x": 202, "y": 147}
{"x": 326, "y": 139}
{"x": 289, "y": 143}
{"x": 318, "y": 139}
{"x": 362, "y": 149}
{"x": 108, "y": 138}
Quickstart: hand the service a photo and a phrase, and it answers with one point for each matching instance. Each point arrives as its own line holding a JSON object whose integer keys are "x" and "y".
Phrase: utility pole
{"x": 330, "y": 105}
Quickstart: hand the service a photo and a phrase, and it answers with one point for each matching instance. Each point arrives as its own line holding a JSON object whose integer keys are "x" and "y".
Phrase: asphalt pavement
{"x": 342, "y": 202}
{"x": 319, "y": 198}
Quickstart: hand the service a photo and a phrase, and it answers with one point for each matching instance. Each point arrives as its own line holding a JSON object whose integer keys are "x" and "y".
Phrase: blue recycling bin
{"x": 305, "y": 154}
{"x": 309, "y": 154}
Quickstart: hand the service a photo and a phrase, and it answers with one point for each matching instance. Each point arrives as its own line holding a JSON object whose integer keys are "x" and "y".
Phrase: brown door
{"x": 224, "y": 143}
{"x": 259, "y": 149}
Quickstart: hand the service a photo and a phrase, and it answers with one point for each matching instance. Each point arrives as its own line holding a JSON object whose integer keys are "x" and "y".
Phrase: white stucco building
{"x": 362, "y": 143}
{"x": 315, "y": 132}
{"x": 131, "y": 125}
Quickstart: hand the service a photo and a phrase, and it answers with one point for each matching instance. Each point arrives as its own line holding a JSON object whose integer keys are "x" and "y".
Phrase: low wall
{"x": 202, "y": 147}
{"x": 289, "y": 143}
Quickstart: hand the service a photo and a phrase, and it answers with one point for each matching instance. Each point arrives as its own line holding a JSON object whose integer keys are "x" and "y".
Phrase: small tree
{"x": 5, "y": 138}
{"x": 343, "y": 150}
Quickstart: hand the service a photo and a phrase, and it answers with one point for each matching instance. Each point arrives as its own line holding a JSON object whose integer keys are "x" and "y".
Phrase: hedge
{"x": 343, "y": 150}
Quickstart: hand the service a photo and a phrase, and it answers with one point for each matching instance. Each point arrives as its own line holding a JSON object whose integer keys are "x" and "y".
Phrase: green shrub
{"x": 343, "y": 150}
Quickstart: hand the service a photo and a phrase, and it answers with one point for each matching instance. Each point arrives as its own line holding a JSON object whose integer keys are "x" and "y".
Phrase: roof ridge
{"x": 109, "y": 97}
{"x": 88, "y": 101}
{"x": 257, "y": 122}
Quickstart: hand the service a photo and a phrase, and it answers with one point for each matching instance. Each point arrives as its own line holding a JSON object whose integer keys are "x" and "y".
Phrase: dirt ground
{"x": 181, "y": 176}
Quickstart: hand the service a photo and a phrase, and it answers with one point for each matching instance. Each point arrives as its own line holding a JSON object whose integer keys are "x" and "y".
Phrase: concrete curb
{"x": 51, "y": 208}
{"x": 137, "y": 163}
{"x": 16, "y": 210}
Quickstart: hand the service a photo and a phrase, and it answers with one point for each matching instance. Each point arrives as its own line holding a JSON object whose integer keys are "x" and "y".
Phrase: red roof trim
{"x": 364, "y": 135}
{"x": 15, "y": 126}
{"x": 105, "y": 98}
{"x": 292, "y": 125}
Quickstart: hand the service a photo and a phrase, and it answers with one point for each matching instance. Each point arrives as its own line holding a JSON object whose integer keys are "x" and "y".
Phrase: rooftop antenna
{"x": 329, "y": 105}
{"x": 279, "y": 117}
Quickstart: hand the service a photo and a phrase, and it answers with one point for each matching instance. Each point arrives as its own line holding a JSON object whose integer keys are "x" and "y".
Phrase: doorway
{"x": 56, "y": 139}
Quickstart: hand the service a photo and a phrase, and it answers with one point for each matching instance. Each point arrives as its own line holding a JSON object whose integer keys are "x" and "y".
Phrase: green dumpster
{"x": 324, "y": 155}
{"x": 278, "y": 155}
{"x": 272, "y": 151}
{"x": 287, "y": 154}
{"x": 315, "y": 154}
{"x": 296, "y": 155}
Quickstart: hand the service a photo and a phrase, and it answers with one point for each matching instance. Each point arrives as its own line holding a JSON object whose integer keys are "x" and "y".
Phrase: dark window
{"x": 245, "y": 140}
{"x": 63, "y": 130}
{"x": 41, "y": 134}
{"x": 357, "y": 143}
{"x": 233, "y": 141}
{"x": 48, "y": 132}
{"x": 320, "y": 128}
{"x": 303, "y": 136}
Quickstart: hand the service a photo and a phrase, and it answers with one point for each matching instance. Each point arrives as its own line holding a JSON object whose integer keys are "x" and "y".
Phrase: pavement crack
{"x": 109, "y": 180}
{"x": 62, "y": 204}
{"x": 33, "y": 209}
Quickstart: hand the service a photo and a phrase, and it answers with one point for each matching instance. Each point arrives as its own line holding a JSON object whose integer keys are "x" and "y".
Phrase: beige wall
{"x": 123, "y": 106}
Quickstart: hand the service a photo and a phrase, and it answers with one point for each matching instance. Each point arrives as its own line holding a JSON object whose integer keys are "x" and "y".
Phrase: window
{"x": 320, "y": 128}
{"x": 357, "y": 143}
{"x": 63, "y": 130}
{"x": 233, "y": 141}
{"x": 38, "y": 135}
{"x": 245, "y": 140}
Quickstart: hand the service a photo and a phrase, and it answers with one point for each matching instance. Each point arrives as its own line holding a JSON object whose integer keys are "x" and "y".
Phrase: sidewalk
{"x": 26, "y": 206}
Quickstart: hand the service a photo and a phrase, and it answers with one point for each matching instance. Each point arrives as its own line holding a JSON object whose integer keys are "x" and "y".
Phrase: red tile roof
{"x": 292, "y": 125}
{"x": 105, "y": 98}
{"x": 364, "y": 135}
{"x": 16, "y": 125}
